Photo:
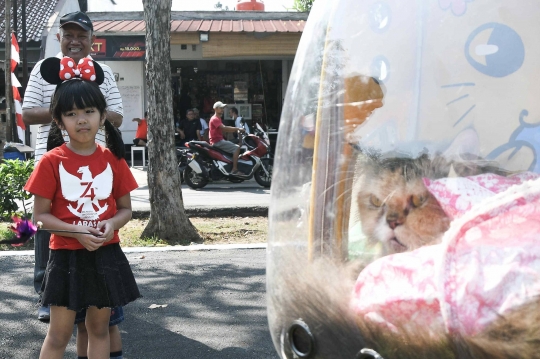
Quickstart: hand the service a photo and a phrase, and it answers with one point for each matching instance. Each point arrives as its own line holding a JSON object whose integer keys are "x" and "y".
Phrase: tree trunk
{"x": 168, "y": 220}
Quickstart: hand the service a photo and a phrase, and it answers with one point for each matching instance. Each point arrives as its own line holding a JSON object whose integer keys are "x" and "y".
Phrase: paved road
{"x": 222, "y": 194}
{"x": 218, "y": 198}
{"x": 215, "y": 307}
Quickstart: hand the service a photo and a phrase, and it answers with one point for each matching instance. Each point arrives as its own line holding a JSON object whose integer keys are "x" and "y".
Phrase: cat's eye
{"x": 417, "y": 201}
{"x": 375, "y": 201}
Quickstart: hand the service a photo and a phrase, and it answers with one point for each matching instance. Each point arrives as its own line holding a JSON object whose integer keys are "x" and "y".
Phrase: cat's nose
{"x": 394, "y": 220}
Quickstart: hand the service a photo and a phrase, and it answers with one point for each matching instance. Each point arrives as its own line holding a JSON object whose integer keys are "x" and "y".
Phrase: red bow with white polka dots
{"x": 84, "y": 69}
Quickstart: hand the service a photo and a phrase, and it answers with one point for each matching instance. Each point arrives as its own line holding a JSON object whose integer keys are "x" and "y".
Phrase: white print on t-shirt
{"x": 86, "y": 223}
{"x": 86, "y": 191}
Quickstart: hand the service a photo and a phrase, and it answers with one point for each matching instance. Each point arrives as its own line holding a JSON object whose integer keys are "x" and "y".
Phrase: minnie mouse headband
{"x": 55, "y": 70}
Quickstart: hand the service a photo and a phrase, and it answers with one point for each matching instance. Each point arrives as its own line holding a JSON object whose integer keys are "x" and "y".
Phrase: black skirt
{"x": 78, "y": 279}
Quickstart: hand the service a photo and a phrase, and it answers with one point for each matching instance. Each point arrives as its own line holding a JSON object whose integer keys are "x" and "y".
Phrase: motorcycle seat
{"x": 209, "y": 146}
{"x": 201, "y": 143}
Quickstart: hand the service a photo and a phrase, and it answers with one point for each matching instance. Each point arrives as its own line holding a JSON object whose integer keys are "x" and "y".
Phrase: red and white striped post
{"x": 15, "y": 60}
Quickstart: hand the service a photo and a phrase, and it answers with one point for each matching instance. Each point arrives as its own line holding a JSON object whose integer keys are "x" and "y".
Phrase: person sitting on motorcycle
{"x": 217, "y": 128}
{"x": 190, "y": 128}
{"x": 239, "y": 123}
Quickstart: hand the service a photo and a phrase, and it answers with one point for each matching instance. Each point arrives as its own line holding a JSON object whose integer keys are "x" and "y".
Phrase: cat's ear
{"x": 439, "y": 166}
{"x": 466, "y": 143}
{"x": 452, "y": 173}
{"x": 367, "y": 156}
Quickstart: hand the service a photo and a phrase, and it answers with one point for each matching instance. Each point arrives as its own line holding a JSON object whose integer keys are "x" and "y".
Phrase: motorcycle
{"x": 183, "y": 155}
{"x": 209, "y": 163}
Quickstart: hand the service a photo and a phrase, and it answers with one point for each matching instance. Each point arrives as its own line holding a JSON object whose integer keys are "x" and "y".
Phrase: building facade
{"x": 241, "y": 58}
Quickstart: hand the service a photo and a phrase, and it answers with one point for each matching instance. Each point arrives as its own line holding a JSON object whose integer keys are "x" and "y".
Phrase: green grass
{"x": 224, "y": 230}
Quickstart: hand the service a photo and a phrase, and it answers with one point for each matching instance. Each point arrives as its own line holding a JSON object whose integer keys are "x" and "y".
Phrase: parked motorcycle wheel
{"x": 193, "y": 179}
{"x": 260, "y": 176}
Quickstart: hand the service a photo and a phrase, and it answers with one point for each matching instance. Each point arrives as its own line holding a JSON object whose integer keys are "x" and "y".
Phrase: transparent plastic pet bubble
{"x": 405, "y": 199}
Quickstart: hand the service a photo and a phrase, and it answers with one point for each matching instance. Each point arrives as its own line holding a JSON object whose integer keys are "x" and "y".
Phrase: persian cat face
{"x": 396, "y": 209}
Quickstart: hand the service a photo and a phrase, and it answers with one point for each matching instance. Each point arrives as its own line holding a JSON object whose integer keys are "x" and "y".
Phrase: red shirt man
{"x": 216, "y": 136}
{"x": 141, "y": 136}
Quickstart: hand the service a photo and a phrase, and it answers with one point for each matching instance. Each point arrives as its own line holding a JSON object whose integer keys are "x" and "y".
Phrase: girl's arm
{"x": 122, "y": 216}
{"x": 42, "y": 213}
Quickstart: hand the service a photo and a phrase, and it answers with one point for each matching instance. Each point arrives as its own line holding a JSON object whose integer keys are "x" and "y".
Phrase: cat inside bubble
{"x": 400, "y": 219}
{"x": 396, "y": 211}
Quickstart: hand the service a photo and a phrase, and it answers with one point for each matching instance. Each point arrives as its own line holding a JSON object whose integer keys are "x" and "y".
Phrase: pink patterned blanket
{"x": 487, "y": 264}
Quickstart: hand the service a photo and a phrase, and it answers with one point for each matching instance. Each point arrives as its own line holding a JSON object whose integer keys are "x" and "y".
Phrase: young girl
{"x": 82, "y": 190}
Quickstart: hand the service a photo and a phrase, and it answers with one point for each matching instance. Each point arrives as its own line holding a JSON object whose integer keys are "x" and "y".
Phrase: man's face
{"x": 219, "y": 110}
{"x": 190, "y": 115}
{"x": 75, "y": 42}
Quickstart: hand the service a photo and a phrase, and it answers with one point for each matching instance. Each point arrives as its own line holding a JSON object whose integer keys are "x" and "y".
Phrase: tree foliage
{"x": 303, "y": 5}
{"x": 13, "y": 177}
{"x": 219, "y": 6}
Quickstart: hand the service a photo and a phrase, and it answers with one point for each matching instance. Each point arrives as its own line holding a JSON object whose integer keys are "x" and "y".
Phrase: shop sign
{"x": 132, "y": 48}
{"x": 99, "y": 48}
{"x": 119, "y": 48}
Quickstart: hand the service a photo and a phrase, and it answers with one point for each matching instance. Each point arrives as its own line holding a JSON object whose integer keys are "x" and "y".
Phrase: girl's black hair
{"x": 81, "y": 94}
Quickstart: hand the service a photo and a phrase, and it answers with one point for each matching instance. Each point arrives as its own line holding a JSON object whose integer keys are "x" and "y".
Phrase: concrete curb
{"x": 195, "y": 247}
{"x": 215, "y": 212}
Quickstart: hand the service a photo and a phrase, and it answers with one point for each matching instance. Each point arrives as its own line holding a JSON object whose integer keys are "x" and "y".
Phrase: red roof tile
{"x": 193, "y": 25}
{"x": 248, "y": 26}
{"x": 294, "y": 26}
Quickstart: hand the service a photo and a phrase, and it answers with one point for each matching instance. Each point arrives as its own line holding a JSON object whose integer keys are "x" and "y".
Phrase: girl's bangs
{"x": 81, "y": 95}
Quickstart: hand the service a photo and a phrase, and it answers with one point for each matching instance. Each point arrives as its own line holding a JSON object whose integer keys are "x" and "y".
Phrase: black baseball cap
{"x": 78, "y": 18}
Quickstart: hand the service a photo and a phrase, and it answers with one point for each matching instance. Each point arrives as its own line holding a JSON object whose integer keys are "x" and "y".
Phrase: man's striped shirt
{"x": 39, "y": 92}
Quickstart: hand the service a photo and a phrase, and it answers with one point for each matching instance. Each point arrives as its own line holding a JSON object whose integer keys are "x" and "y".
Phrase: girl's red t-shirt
{"x": 82, "y": 189}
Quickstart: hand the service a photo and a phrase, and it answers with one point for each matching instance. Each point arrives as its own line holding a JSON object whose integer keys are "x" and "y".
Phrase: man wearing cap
{"x": 216, "y": 136}
{"x": 76, "y": 37}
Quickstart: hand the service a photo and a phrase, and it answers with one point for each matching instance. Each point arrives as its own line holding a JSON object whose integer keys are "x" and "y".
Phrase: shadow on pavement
{"x": 163, "y": 343}
{"x": 215, "y": 307}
